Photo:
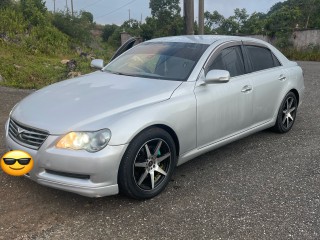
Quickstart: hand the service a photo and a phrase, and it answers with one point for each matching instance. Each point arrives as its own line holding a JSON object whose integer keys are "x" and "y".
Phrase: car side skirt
{"x": 221, "y": 142}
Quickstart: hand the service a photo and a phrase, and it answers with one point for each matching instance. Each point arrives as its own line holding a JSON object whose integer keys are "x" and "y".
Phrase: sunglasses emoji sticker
{"x": 16, "y": 163}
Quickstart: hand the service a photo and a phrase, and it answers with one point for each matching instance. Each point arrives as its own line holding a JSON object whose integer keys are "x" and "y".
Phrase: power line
{"x": 117, "y": 9}
{"x": 90, "y": 5}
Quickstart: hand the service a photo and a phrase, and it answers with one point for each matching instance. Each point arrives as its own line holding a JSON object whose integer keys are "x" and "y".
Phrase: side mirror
{"x": 217, "y": 76}
{"x": 97, "y": 63}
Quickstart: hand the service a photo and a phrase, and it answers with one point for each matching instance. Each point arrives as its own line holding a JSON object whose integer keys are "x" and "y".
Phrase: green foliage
{"x": 86, "y": 17}
{"x": 107, "y": 31}
{"x": 165, "y": 21}
{"x": 149, "y": 28}
{"x": 255, "y": 24}
{"x": 132, "y": 27}
{"x": 164, "y": 10}
{"x": 5, "y": 3}
{"x": 213, "y": 21}
{"x": 12, "y": 23}
{"x": 312, "y": 53}
{"x": 76, "y": 27}
{"x": 284, "y": 19}
{"x": 31, "y": 47}
{"x": 48, "y": 40}
{"x": 21, "y": 69}
{"x": 283, "y": 39}
{"x": 240, "y": 16}
{"x": 34, "y": 11}
{"x": 115, "y": 38}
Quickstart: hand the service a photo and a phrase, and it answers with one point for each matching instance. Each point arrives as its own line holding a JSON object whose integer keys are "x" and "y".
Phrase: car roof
{"x": 203, "y": 39}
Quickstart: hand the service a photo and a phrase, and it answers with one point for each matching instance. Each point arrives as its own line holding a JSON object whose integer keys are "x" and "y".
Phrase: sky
{"x": 117, "y": 11}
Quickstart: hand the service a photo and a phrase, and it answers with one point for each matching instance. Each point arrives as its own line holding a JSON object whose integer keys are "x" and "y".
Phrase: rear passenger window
{"x": 276, "y": 61}
{"x": 261, "y": 58}
{"x": 229, "y": 59}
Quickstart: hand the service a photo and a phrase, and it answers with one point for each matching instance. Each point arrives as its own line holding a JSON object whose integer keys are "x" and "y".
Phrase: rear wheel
{"x": 287, "y": 114}
{"x": 148, "y": 164}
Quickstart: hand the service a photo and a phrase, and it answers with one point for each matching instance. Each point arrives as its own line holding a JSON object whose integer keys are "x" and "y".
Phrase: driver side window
{"x": 229, "y": 59}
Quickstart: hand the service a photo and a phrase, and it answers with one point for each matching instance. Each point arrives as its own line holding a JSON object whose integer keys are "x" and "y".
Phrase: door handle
{"x": 246, "y": 89}
{"x": 282, "y": 78}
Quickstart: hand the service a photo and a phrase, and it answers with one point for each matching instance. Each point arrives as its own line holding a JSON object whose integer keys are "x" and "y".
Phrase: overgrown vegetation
{"x": 311, "y": 53}
{"x": 33, "y": 41}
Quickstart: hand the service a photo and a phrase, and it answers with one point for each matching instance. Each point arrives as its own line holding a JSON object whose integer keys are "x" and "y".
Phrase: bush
{"x": 76, "y": 27}
{"x": 107, "y": 31}
{"x": 34, "y": 11}
{"x": 12, "y": 23}
{"x": 48, "y": 40}
{"x": 311, "y": 53}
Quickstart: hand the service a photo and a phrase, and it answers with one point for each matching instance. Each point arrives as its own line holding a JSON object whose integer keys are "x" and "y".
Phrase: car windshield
{"x": 158, "y": 60}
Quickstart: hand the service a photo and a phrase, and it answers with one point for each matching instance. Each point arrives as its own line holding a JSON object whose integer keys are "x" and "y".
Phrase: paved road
{"x": 266, "y": 186}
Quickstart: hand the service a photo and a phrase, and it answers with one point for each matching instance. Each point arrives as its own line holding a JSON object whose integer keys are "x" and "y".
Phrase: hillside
{"x": 36, "y": 45}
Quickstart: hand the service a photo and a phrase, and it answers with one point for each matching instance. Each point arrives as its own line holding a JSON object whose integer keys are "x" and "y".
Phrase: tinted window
{"x": 229, "y": 59}
{"x": 276, "y": 61}
{"x": 159, "y": 60}
{"x": 261, "y": 58}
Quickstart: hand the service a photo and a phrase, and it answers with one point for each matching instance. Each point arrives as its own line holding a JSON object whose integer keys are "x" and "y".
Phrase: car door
{"x": 267, "y": 78}
{"x": 224, "y": 109}
{"x": 125, "y": 47}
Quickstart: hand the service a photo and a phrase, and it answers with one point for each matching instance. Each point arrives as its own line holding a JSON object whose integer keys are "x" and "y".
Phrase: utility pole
{"x": 201, "y": 17}
{"x": 188, "y": 7}
{"x": 129, "y": 14}
{"x": 72, "y": 8}
{"x": 67, "y": 6}
{"x": 54, "y": 6}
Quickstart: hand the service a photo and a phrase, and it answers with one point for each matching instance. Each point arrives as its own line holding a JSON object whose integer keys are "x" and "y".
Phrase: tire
{"x": 151, "y": 155}
{"x": 287, "y": 114}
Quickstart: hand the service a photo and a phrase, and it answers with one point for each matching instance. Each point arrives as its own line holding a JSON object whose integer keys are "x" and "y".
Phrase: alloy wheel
{"x": 289, "y": 112}
{"x": 152, "y": 164}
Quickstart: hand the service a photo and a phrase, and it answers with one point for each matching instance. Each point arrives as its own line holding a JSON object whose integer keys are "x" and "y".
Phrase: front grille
{"x": 27, "y": 136}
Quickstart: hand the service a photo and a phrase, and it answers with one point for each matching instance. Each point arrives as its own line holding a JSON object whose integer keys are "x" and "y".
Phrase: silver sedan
{"x": 155, "y": 106}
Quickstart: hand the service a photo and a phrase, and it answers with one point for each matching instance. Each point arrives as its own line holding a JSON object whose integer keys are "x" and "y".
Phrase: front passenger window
{"x": 229, "y": 59}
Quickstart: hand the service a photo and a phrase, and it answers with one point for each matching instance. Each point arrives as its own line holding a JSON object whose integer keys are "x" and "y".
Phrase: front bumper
{"x": 81, "y": 172}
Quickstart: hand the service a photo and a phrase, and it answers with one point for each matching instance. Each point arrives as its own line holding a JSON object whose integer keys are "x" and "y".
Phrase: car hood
{"x": 77, "y": 103}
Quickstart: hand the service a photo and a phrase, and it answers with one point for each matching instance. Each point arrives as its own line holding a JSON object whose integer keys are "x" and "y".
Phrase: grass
{"x": 20, "y": 68}
{"x": 309, "y": 54}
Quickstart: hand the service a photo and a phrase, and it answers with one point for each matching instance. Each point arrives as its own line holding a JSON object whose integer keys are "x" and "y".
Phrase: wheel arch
{"x": 168, "y": 130}
{"x": 296, "y": 93}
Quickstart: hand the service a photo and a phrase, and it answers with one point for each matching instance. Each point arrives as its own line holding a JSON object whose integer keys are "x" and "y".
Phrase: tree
{"x": 75, "y": 26}
{"x": 166, "y": 19}
{"x": 240, "y": 16}
{"x": 213, "y": 21}
{"x": 255, "y": 24}
{"x": 164, "y": 9}
{"x": 132, "y": 27}
{"x": 86, "y": 16}
{"x": 107, "y": 31}
{"x": 148, "y": 28}
{"x": 284, "y": 19}
{"x": 34, "y": 11}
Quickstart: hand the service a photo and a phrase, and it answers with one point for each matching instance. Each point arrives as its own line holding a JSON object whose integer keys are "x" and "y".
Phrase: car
{"x": 156, "y": 105}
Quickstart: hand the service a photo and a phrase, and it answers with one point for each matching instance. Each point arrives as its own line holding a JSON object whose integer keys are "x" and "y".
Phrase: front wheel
{"x": 287, "y": 114}
{"x": 147, "y": 165}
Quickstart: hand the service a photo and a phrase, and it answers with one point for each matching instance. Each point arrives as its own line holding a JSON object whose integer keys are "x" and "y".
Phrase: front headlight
{"x": 89, "y": 141}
